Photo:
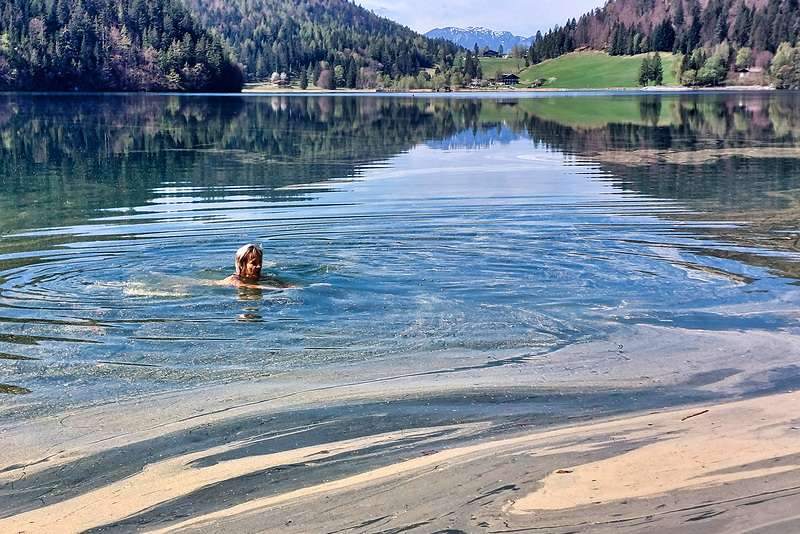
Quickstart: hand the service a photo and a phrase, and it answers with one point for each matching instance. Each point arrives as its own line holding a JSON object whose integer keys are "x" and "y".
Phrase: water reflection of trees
{"x": 109, "y": 139}
{"x": 99, "y": 134}
{"x": 754, "y": 135}
{"x": 683, "y": 122}
{"x": 76, "y": 153}
{"x": 740, "y": 163}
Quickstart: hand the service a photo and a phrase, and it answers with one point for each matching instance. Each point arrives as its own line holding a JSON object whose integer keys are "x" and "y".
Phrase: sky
{"x": 520, "y": 17}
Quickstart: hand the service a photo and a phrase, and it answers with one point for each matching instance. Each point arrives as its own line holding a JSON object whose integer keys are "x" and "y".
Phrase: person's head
{"x": 248, "y": 261}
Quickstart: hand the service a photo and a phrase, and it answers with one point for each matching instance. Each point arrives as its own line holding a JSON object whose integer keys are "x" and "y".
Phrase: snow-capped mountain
{"x": 467, "y": 37}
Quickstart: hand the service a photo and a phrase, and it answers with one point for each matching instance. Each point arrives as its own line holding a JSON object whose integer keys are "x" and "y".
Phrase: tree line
{"x": 110, "y": 45}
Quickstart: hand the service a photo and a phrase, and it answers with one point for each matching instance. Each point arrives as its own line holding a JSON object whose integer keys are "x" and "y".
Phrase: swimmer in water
{"x": 248, "y": 270}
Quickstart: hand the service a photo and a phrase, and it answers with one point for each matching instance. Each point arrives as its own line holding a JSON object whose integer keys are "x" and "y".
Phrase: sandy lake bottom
{"x": 483, "y": 449}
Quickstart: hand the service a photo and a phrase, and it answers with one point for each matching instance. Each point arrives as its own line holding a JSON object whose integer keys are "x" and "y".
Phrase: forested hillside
{"x": 681, "y": 25}
{"x": 110, "y": 45}
{"x": 336, "y": 43}
{"x": 713, "y": 37}
{"x": 206, "y": 45}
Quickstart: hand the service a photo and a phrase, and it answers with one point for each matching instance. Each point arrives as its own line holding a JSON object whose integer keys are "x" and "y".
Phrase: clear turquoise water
{"x": 411, "y": 227}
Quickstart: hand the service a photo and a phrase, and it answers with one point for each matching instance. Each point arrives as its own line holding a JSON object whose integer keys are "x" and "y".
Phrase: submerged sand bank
{"x": 415, "y": 454}
{"x": 717, "y": 468}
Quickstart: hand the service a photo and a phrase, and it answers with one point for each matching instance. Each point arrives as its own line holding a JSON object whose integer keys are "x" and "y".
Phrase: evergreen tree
{"x": 645, "y": 71}
{"x": 743, "y": 25}
{"x": 720, "y": 30}
{"x": 678, "y": 16}
{"x": 658, "y": 69}
{"x": 288, "y": 35}
{"x": 663, "y": 36}
{"x": 470, "y": 71}
{"x": 693, "y": 36}
{"x": 351, "y": 74}
{"x": 619, "y": 41}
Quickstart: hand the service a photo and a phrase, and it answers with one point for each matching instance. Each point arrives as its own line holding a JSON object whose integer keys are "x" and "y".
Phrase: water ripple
{"x": 404, "y": 261}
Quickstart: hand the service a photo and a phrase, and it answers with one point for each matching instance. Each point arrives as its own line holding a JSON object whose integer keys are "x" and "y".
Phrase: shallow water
{"x": 412, "y": 228}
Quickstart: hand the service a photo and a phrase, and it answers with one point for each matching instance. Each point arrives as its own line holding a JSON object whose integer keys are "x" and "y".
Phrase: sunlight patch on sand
{"x": 725, "y": 444}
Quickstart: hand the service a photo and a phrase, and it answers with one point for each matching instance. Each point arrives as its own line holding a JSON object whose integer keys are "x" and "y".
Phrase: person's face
{"x": 252, "y": 266}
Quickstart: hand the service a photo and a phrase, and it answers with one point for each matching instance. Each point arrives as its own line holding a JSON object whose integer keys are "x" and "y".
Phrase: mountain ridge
{"x": 472, "y": 35}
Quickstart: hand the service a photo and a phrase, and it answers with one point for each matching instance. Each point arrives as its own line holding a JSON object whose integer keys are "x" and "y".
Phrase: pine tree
{"x": 645, "y": 71}
{"x": 658, "y": 69}
{"x": 743, "y": 25}
{"x": 678, "y": 17}
{"x": 663, "y": 37}
{"x": 331, "y": 80}
{"x": 303, "y": 79}
{"x": 111, "y": 45}
{"x": 469, "y": 66}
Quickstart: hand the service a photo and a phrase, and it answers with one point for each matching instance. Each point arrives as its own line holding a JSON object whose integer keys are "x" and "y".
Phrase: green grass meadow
{"x": 579, "y": 70}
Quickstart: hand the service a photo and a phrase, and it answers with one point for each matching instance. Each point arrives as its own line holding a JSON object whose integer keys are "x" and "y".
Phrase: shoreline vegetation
{"x": 580, "y": 71}
{"x": 267, "y": 88}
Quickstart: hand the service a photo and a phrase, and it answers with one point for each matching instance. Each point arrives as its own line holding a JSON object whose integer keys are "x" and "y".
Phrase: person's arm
{"x": 274, "y": 282}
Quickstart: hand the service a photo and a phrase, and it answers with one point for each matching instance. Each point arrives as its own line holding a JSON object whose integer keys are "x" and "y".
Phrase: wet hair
{"x": 244, "y": 253}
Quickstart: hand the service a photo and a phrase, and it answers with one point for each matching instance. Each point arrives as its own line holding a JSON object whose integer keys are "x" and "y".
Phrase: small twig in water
{"x": 694, "y": 415}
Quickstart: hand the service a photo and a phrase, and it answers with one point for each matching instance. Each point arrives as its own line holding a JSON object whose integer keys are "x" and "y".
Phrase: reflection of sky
{"x": 478, "y": 139}
{"x": 503, "y": 169}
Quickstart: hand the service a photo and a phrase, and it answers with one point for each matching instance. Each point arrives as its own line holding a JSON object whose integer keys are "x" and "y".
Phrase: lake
{"x": 425, "y": 236}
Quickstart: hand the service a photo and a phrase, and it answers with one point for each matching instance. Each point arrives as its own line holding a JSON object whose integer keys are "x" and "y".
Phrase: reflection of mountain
{"x": 489, "y": 135}
{"x": 729, "y": 157}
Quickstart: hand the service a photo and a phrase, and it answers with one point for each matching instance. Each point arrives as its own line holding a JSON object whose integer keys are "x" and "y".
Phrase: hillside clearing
{"x": 591, "y": 70}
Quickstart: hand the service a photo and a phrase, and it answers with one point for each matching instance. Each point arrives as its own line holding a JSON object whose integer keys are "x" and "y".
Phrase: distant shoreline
{"x": 266, "y": 90}
{"x": 262, "y": 89}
